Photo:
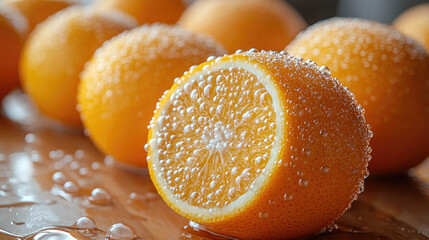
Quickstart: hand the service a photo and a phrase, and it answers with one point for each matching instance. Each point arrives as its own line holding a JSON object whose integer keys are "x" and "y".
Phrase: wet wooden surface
{"x": 32, "y": 150}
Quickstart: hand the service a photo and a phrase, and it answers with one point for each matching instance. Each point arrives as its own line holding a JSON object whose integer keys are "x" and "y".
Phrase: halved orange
{"x": 259, "y": 145}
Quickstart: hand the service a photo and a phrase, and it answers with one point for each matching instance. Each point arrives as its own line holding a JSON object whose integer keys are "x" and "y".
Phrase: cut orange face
{"x": 258, "y": 146}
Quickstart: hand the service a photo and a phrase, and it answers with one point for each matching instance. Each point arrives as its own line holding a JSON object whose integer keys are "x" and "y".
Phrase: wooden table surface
{"x": 48, "y": 173}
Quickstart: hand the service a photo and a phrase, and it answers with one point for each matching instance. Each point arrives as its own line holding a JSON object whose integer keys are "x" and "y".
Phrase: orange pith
{"x": 258, "y": 146}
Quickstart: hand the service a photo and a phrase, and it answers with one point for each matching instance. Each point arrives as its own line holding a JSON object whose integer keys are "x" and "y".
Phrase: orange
{"x": 258, "y": 146}
{"x": 415, "y": 23}
{"x": 122, "y": 83}
{"x": 13, "y": 28}
{"x": 37, "y": 11}
{"x": 245, "y": 24}
{"x": 388, "y": 72}
{"x": 55, "y": 54}
{"x": 146, "y": 11}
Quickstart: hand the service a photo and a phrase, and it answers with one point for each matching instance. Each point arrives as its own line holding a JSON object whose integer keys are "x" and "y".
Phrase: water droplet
{"x": 120, "y": 231}
{"x": 303, "y": 182}
{"x": 324, "y": 132}
{"x": 59, "y": 178}
{"x": 306, "y": 151}
{"x": 100, "y": 196}
{"x": 86, "y": 226}
{"x": 17, "y": 223}
{"x": 325, "y": 69}
{"x": 109, "y": 161}
{"x": 79, "y": 154}
{"x": 30, "y": 138}
{"x": 95, "y": 165}
{"x": 325, "y": 169}
{"x": 287, "y": 197}
{"x": 70, "y": 187}
{"x": 263, "y": 215}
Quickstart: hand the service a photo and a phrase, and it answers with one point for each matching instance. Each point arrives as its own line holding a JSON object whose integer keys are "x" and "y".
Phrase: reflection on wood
{"x": 54, "y": 182}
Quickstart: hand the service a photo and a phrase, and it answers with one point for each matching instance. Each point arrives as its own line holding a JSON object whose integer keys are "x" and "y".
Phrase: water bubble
{"x": 263, "y": 215}
{"x": 30, "y": 138}
{"x": 109, "y": 161}
{"x": 147, "y": 197}
{"x": 86, "y": 226}
{"x": 303, "y": 182}
{"x": 84, "y": 172}
{"x": 120, "y": 231}
{"x": 79, "y": 154}
{"x": 59, "y": 178}
{"x": 325, "y": 169}
{"x": 324, "y": 132}
{"x": 100, "y": 196}
{"x": 287, "y": 197}
{"x": 325, "y": 69}
{"x": 306, "y": 151}
{"x": 95, "y": 165}
{"x": 70, "y": 187}
{"x": 57, "y": 154}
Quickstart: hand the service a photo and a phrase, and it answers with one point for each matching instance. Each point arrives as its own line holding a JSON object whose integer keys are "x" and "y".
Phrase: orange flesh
{"x": 227, "y": 156}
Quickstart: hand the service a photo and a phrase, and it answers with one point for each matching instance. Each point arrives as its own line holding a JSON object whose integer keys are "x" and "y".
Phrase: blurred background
{"x": 384, "y": 11}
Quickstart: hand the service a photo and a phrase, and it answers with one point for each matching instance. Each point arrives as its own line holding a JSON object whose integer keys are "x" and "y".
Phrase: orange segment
{"x": 258, "y": 146}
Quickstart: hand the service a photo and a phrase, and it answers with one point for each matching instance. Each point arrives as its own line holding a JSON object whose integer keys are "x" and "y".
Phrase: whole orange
{"x": 13, "y": 28}
{"x": 123, "y": 81}
{"x": 146, "y": 11}
{"x": 55, "y": 54}
{"x": 388, "y": 72}
{"x": 258, "y": 145}
{"x": 415, "y": 23}
{"x": 245, "y": 24}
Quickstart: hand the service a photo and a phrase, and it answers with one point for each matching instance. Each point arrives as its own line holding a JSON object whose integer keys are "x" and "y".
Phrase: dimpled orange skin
{"x": 147, "y": 11}
{"x": 36, "y": 11}
{"x": 55, "y": 54}
{"x": 414, "y": 22}
{"x": 321, "y": 116}
{"x": 13, "y": 28}
{"x": 388, "y": 73}
{"x": 245, "y": 24}
{"x": 134, "y": 69}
